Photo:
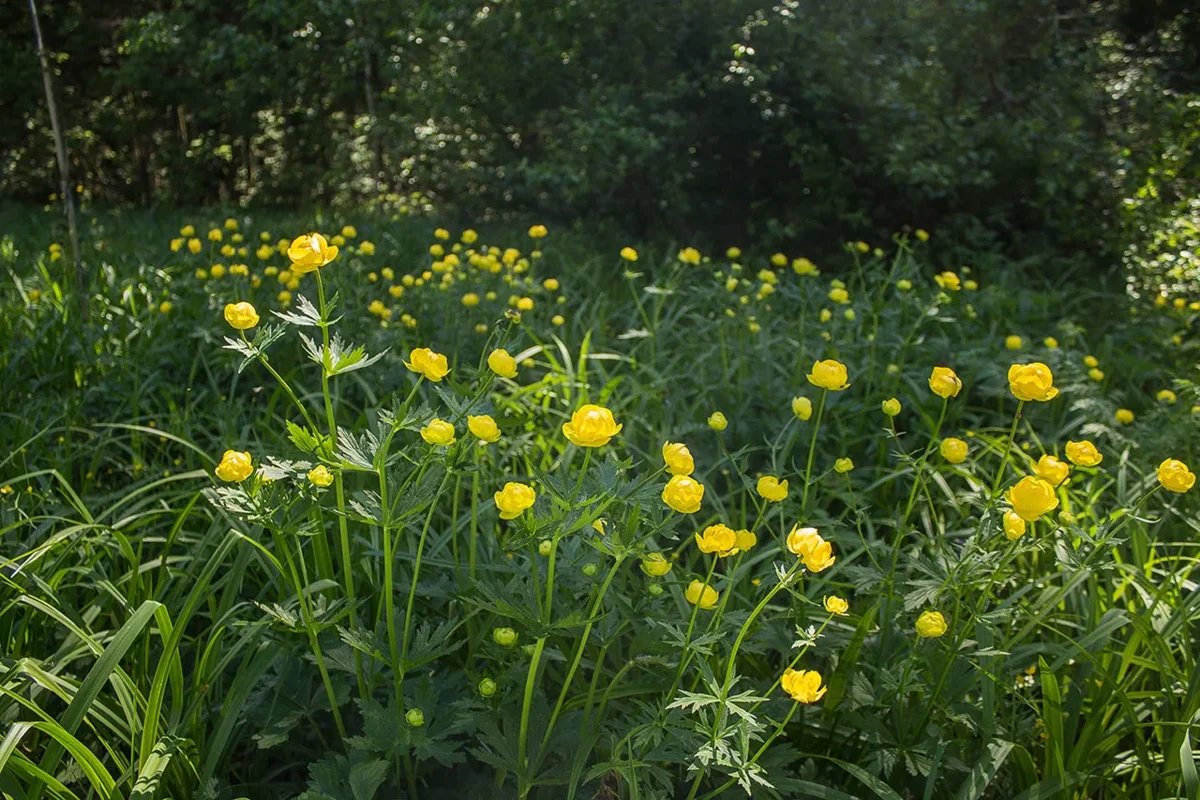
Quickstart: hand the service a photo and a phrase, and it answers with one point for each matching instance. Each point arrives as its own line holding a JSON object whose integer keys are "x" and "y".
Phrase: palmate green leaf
{"x": 304, "y": 314}
{"x": 255, "y": 349}
{"x": 340, "y": 778}
{"x": 307, "y": 440}
{"x": 430, "y": 642}
{"x": 339, "y": 357}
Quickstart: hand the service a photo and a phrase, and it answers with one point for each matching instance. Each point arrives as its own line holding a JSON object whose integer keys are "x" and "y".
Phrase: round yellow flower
{"x": 1012, "y": 342}
{"x": 835, "y": 605}
{"x": 194, "y": 246}
{"x": 1031, "y": 497}
{"x": 1175, "y": 476}
{"x": 1032, "y": 382}
{"x": 1096, "y": 374}
{"x": 1124, "y": 416}
{"x": 429, "y": 364}
{"x": 683, "y": 494}
{"x": 678, "y": 458}
{"x": 656, "y": 565}
{"x": 187, "y": 231}
{"x": 310, "y": 252}
{"x": 733, "y": 253}
{"x": 922, "y": 234}
{"x": 591, "y": 426}
{"x": 803, "y": 686}
{"x": 802, "y": 266}
{"x": 1090, "y": 361}
{"x": 811, "y": 547}
{"x": 165, "y": 307}
{"x": 745, "y": 540}
{"x": 829, "y": 374}
{"x": 483, "y": 427}
{"x": 702, "y": 595}
{"x": 772, "y": 489}
{"x": 1051, "y": 470}
{"x": 538, "y": 232}
{"x": 501, "y": 363}
{"x": 241, "y": 316}
{"x": 719, "y": 539}
{"x": 514, "y": 499}
{"x": 469, "y": 299}
{"x": 843, "y": 465}
{"x": 689, "y": 255}
{"x": 558, "y": 319}
{"x": 802, "y": 408}
{"x": 1166, "y": 396}
{"x": 890, "y": 407}
{"x": 1014, "y": 526}
{"x": 954, "y": 450}
{"x": 944, "y": 382}
{"x": 320, "y": 476}
{"x": 948, "y": 280}
{"x": 840, "y": 296}
{"x": 1050, "y": 342}
{"x": 1083, "y": 453}
{"x": 717, "y": 421}
{"x": 366, "y": 248}
{"x": 234, "y": 467}
{"x": 438, "y": 432}
{"x": 931, "y": 625}
{"x": 629, "y": 254}
{"x": 231, "y": 224}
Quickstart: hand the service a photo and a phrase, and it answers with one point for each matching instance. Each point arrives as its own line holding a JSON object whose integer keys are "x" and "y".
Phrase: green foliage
{"x": 166, "y": 634}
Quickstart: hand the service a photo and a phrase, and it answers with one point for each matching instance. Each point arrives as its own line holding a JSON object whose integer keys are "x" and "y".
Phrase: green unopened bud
{"x": 656, "y": 589}
{"x": 487, "y": 687}
{"x": 590, "y": 569}
{"x": 415, "y": 717}
{"x": 528, "y": 649}
{"x": 544, "y": 547}
{"x": 505, "y": 637}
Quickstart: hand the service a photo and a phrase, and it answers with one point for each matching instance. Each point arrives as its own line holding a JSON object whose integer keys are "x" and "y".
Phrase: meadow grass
{"x": 178, "y": 621}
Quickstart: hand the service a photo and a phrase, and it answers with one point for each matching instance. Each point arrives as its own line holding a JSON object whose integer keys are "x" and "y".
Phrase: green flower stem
{"x": 812, "y": 449}
{"x": 412, "y": 587}
{"x": 471, "y": 547}
{"x": 311, "y": 628}
{"x": 685, "y": 657}
{"x": 262, "y": 359}
{"x": 737, "y": 643}
{"x": 523, "y": 785}
{"x": 1012, "y": 432}
{"x": 338, "y": 483}
{"x": 753, "y": 759}
{"x": 587, "y": 629}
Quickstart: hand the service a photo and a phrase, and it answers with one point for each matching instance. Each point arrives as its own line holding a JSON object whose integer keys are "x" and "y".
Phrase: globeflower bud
{"x": 944, "y": 382}
{"x": 590, "y": 569}
{"x": 487, "y": 687}
{"x": 505, "y": 637}
{"x": 320, "y": 476}
{"x": 1014, "y": 526}
{"x": 891, "y": 407}
{"x": 954, "y": 450}
{"x": 415, "y": 717}
{"x": 241, "y": 316}
{"x": 931, "y": 625}
{"x": 545, "y": 547}
{"x": 683, "y": 494}
{"x": 717, "y": 421}
{"x": 514, "y": 499}
{"x": 656, "y": 565}
{"x": 802, "y": 407}
{"x": 438, "y": 432}
{"x": 678, "y": 458}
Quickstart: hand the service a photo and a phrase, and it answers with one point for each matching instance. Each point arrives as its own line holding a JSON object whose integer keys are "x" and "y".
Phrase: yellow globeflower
{"x": 717, "y": 421}
{"x": 843, "y": 465}
{"x": 194, "y": 246}
{"x": 954, "y": 450}
{"x": 231, "y": 224}
{"x": 1051, "y": 470}
{"x": 187, "y": 231}
{"x": 514, "y": 499}
{"x": 656, "y": 565}
{"x": 1166, "y": 396}
{"x": 484, "y": 428}
{"x": 811, "y": 547}
{"x": 1032, "y": 382}
{"x": 689, "y": 255}
{"x": 538, "y": 232}
{"x": 931, "y": 625}
{"x": 431, "y": 365}
{"x": 802, "y": 408}
{"x": 165, "y": 307}
{"x": 829, "y": 374}
{"x": 629, "y": 254}
{"x": 678, "y": 458}
{"x": 438, "y": 432}
{"x": 176, "y": 245}
{"x": 1014, "y": 526}
{"x": 1050, "y": 342}
{"x": 803, "y": 686}
{"x": 320, "y": 476}
{"x": 501, "y": 363}
{"x": 591, "y": 426}
{"x": 1012, "y": 342}
{"x": 241, "y": 316}
{"x": 1090, "y": 361}
{"x": 1175, "y": 476}
{"x": 922, "y": 234}
{"x": 1124, "y": 416}
{"x": 1083, "y": 453}
{"x": 772, "y": 489}
{"x": 733, "y": 253}
{"x": 1096, "y": 374}
{"x": 891, "y": 407}
{"x": 1031, "y": 497}
{"x": 469, "y": 299}
{"x": 366, "y": 248}
{"x": 948, "y": 280}
{"x": 802, "y": 266}
{"x": 944, "y": 382}
{"x": 349, "y": 231}
{"x": 683, "y": 494}
{"x": 745, "y": 540}
{"x": 702, "y": 595}
{"x": 719, "y": 539}
{"x": 469, "y": 236}
{"x": 836, "y": 605}
{"x": 310, "y": 252}
{"x": 234, "y": 467}
{"x": 215, "y": 235}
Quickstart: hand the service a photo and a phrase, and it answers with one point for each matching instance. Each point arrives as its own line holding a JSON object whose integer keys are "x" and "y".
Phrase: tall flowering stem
{"x": 338, "y": 482}
{"x": 812, "y": 449}
{"x": 1012, "y": 433}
